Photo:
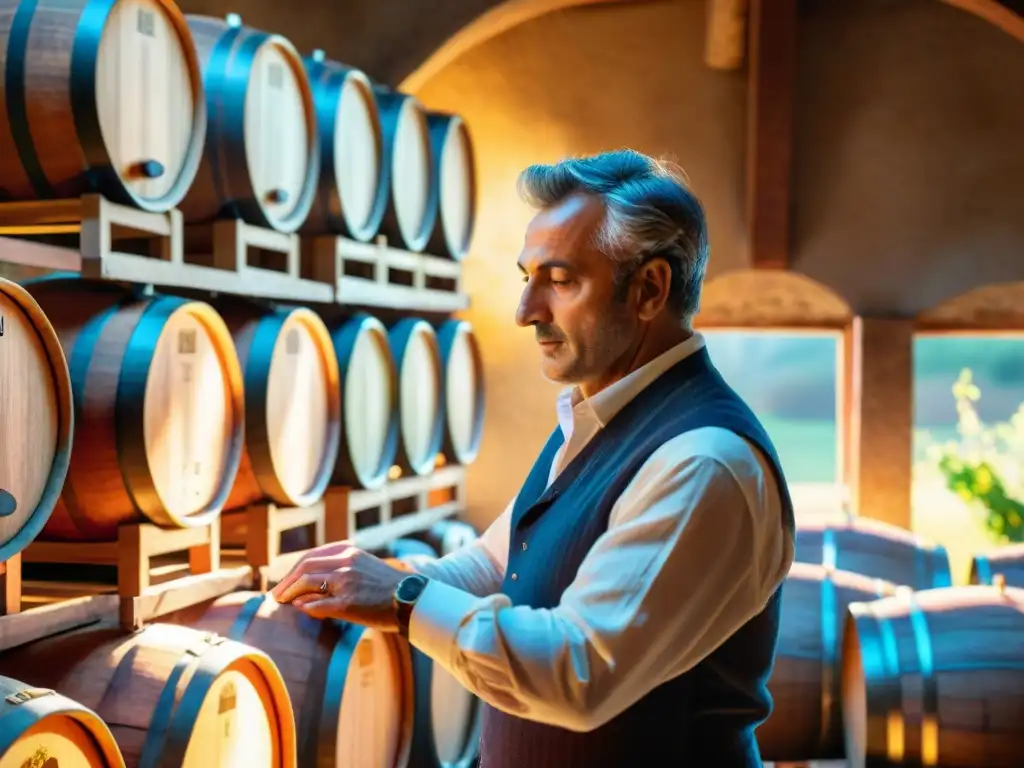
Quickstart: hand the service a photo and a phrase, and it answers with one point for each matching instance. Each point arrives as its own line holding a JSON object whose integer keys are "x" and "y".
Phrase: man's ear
{"x": 655, "y": 283}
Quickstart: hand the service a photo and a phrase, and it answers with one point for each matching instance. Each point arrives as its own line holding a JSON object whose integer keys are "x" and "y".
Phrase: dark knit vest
{"x": 704, "y": 718}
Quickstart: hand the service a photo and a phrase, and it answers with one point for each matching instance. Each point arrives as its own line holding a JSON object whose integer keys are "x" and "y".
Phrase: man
{"x": 623, "y": 610}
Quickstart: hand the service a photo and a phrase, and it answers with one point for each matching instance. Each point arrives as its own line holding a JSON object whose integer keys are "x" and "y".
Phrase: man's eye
{"x": 559, "y": 282}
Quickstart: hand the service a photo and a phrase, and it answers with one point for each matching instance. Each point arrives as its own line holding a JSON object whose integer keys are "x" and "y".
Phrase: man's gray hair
{"x": 650, "y": 211}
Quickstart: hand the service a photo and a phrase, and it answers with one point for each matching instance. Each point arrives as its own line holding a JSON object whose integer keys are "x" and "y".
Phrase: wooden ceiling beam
{"x": 771, "y": 73}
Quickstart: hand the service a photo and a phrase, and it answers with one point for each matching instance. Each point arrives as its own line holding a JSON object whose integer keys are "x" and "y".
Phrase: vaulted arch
{"x": 497, "y": 19}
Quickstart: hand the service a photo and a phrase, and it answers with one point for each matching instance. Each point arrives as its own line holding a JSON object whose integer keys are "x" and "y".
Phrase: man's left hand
{"x": 359, "y": 588}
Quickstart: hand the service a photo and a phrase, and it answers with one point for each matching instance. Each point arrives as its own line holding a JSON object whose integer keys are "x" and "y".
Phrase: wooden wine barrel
{"x": 292, "y": 404}
{"x": 39, "y": 728}
{"x": 935, "y": 678}
{"x": 1006, "y": 561}
{"x": 447, "y": 536}
{"x": 262, "y": 155}
{"x": 158, "y": 407}
{"x": 455, "y": 179}
{"x": 806, "y": 723}
{"x": 448, "y": 718}
{"x": 874, "y": 548}
{"x": 36, "y": 419}
{"x": 99, "y": 98}
{"x": 408, "y": 171}
{"x": 369, "y": 413}
{"x": 351, "y": 686}
{"x": 420, "y": 379}
{"x": 463, "y": 400}
{"x": 351, "y": 196}
{"x": 171, "y": 695}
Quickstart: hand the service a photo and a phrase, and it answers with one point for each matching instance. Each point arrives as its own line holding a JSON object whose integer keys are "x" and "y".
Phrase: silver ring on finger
{"x": 324, "y": 588}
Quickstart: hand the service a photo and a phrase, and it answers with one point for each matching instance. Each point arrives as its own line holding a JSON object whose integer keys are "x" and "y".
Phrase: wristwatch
{"x": 406, "y": 594}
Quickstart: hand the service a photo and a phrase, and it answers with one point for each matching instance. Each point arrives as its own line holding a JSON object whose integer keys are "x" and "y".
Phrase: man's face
{"x": 582, "y": 326}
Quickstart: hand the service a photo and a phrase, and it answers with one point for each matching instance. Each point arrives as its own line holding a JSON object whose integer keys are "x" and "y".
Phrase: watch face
{"x": 410, "y": 588}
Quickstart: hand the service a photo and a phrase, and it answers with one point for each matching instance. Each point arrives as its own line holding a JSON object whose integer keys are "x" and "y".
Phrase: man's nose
{"x": 533, "y": 307}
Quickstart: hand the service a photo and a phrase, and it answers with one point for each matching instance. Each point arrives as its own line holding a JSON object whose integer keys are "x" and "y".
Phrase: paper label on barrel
{"x": 146, "y": 23}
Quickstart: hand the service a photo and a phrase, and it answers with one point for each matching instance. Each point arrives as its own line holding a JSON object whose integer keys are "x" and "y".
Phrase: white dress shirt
{"x": 695, "y": 547}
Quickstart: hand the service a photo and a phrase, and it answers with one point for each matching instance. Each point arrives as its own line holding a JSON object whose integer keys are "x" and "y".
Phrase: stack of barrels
{"x": 133, "y": 406}
{"x": 122, "y": 404}
{"x": 239, "y": 681}
{"x": 881, "y": 661}
{"x": 159, "y": 110}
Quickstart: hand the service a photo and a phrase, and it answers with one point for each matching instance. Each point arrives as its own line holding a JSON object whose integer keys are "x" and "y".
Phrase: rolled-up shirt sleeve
{"x": 695, "y": 548}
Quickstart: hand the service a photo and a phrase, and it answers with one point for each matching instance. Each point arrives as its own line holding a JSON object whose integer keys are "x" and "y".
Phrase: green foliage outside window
{"x": 984, "y": 467}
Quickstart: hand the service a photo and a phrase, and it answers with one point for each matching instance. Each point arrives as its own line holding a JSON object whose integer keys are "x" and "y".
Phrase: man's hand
{"x": 359, "y": 586}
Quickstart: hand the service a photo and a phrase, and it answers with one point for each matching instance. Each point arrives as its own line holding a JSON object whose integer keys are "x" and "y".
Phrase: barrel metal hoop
{"x": 929, "y": 687}
{"x": 245, "y": 617}
{"x": 16, "y": 98}
{"x": 99, "y": 173}
{"x": 829, "y": 640}
{"x": 216, "y": 74}
{"x": 983, "y": 569}
{"x": 892, "y": 691}
{"x": 829, "y": 548}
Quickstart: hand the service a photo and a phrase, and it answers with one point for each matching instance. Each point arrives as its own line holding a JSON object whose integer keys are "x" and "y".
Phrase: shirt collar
{"x": 603, "y": 406}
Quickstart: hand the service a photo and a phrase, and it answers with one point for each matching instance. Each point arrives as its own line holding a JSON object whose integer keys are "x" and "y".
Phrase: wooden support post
{"x": 10, "y": 586}
{"x": 878, "y": 410}
{"x": 770, "y": 105}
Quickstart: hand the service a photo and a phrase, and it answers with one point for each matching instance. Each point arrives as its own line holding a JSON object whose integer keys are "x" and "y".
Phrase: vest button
{"x": 524, "y": 546}
{"x": 515, "y": 577}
